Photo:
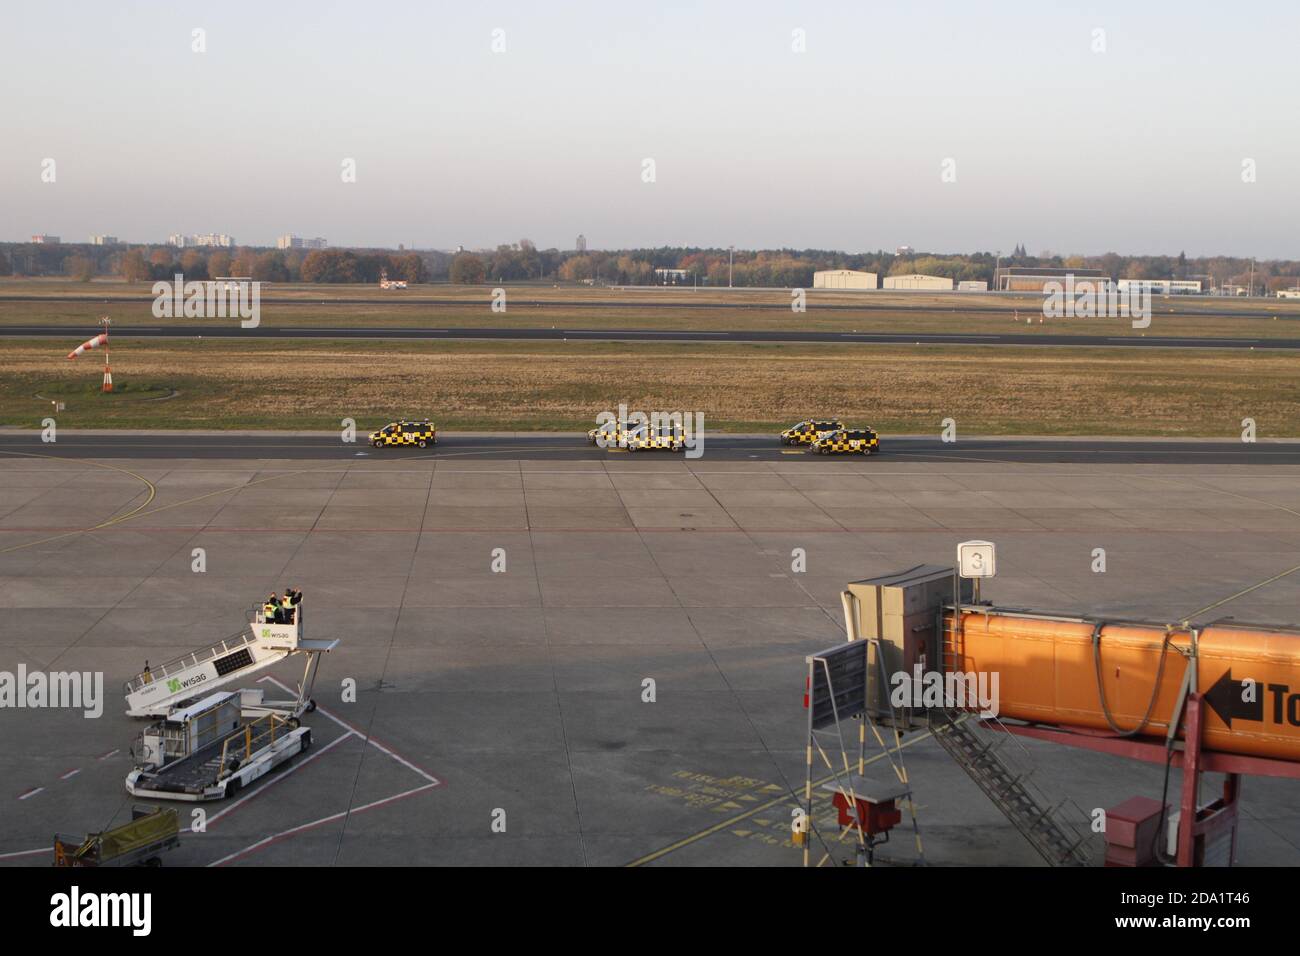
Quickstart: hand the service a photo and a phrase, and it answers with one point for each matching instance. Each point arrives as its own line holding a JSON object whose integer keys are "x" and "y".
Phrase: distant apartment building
{"x": 45, "y": 240}
{"x": 1164, "y": 286}
{"x": 918, "y": 282}
{"x": 207, "y": 239}
{"x": 103, "y": 240}
{"x": 291, "y": 241}
{"x": 843, "y": 279}
{"x": 672, "y": 276}
{"x": 581, "y": 243}
{"x": 904, "y": 251}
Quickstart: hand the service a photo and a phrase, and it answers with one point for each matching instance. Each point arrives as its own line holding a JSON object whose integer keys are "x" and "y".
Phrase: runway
{"x": 565, "y": 447}
{"x": 232, "y": 329}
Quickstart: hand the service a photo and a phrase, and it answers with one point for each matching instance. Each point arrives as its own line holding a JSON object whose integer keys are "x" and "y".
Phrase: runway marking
{"x": 738, "y": 818}
{"x": 109, "y": 754}
{"x": 9, "y": 856}
{"x": 111, "y": 521}
{"x": 430, "y": 783}
{"x": 70, "y": 774}
{"x": 30, "y": 793}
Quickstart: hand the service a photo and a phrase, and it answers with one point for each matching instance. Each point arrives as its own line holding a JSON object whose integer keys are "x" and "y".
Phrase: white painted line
{"x": 70, "y": 773}
{"x": 31, "y": 793}
{"x": 293, "y": 767}
{"x": 266, "y": 841}
{"x": 10, "y": 856}
{"x": 110, "y": 754}
{"x": 360, "y": 733}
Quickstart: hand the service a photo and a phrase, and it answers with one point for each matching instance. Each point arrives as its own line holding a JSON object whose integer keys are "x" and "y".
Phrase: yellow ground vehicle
{"x": 418, "y": 434}
{"x": 152, "y": 832}
{"x": 666, "y": 437}
{"x": 807, "y": 431}
{"x": 846, "y": 441}
{"x": 608, "y": 435}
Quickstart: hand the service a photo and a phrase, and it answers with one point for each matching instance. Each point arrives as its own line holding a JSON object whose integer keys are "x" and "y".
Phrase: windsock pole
{"x": 108, "y": 372}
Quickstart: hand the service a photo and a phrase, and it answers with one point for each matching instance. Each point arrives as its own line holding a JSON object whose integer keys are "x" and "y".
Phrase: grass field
{"x": 562, "y": 386}
{"x": 31, "y": 302}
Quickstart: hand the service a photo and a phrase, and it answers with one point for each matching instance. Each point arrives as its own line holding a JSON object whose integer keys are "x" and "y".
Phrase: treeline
{"x": 524, "y": 262}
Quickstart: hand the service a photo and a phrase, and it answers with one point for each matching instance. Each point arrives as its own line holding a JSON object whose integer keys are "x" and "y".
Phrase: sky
{"x": 951, "y": 127}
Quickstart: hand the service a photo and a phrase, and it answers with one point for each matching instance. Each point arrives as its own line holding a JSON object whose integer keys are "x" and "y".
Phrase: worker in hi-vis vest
{"x": 271, "y": 610}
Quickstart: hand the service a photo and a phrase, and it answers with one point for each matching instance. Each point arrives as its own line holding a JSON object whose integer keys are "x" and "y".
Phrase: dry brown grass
{"x": 518, "y": 385}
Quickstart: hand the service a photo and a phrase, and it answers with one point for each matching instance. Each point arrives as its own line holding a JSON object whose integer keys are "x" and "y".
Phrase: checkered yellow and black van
{"x": 415, "y": 434}
{"x": 807, "y": 431}
{"x": 663, "y": 439}
{"x": 608, "y": 435}
{"x": 846, "y": 441}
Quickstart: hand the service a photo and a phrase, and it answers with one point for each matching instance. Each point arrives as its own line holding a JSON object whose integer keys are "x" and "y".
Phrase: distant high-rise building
{"x": 103, "y": 240}
{"x": 207, "y": 239}
{"x": 45, "y": 240}
{"x": 904, "y": 251}
{"x": 290, "y": 241}
{"x": 581, "y": 244}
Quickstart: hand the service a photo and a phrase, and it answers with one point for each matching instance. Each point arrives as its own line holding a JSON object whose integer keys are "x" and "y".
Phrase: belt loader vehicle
{"x": 207, "y": 752}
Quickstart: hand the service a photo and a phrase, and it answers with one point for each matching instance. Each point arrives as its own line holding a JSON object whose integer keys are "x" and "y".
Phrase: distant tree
{"x": 81, "y": 268}
{"x": 218, "y": 264}
{"x": 193, "y": 266}
{"x": 409, "y": 267}
{"x": 134, "y": 268}
{"x": 269, "y": 267}
{"x": 467, "y": 269}
{"x": 5, "y": 268}
{"x": 577, "y": 269}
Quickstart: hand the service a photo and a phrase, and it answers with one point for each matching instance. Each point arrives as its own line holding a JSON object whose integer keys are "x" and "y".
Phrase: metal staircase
{"x": 1057, "y": 840}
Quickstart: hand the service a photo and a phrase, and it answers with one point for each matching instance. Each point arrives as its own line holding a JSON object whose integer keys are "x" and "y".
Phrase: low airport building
{"x": 844, "y": 279}
{"x": 1165, "y": 286}
{"x": 1036, "y": 278}
{"x": 919, "y": 282}
{"x": 973, "y": 285}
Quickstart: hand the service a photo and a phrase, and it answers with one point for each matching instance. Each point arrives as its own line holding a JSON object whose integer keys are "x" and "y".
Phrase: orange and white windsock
{"x": 96, "y": 342}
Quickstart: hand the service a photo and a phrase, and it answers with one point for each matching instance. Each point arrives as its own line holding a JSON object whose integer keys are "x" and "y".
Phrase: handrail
{"x": 155, "y": 674}
{"x": 245, "y": 738}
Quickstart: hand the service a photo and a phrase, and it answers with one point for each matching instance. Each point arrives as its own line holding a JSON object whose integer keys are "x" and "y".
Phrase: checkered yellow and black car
{"x": 416, "y": 434}
{"x": 807, "y": 431}
{"x": 667, "y": 438}
{"x": 846, "y": 441}
{"x": 608, "y": 434}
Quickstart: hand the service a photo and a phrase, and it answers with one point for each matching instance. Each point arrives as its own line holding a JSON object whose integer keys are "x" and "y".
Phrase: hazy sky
{"x": 1135, "y": 149}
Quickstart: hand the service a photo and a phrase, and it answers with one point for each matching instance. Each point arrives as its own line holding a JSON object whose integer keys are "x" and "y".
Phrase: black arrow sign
{"x": 1225, "y": 699}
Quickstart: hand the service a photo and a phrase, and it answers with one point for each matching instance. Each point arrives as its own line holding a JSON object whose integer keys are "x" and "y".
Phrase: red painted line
{"x": 293, "y": 768}
{"x": 71, "y": 773}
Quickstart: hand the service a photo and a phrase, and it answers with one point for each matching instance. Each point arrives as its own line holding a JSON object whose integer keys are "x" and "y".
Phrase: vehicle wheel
{"x": 153, "y": 861}
{"x": 422, "y": 443}
{"x": 306, "y": 740}
{"x": 294, "y": 723}
{"x": 377, "y": 443}
{"x": 232, "y": 788}
{"x": 311, "y": 705}
{"x": 631, "y": 448}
